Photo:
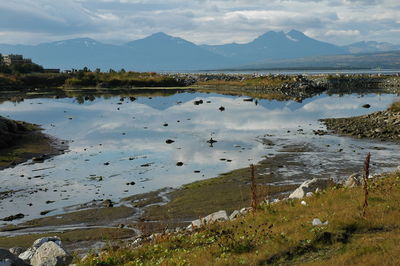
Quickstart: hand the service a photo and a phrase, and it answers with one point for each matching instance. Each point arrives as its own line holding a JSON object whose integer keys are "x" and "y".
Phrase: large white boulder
{"x": 310, "y": 186}
{"x": 212, "y": 218}
{"x": 50, "y": 254}
{"x": 46, "y": 251}
{"x": 28, "y": 254}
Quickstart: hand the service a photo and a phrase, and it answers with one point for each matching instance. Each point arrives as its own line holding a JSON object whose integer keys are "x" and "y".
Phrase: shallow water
{"x": 116, "y": 141}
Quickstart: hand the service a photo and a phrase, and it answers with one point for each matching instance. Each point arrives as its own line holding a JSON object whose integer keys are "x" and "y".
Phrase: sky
{"x": 200, "y": 21}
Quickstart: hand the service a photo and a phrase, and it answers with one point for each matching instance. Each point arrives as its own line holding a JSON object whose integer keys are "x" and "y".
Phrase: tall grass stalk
{"x": 366, "y": 174}
{"x": 253, "y": 187}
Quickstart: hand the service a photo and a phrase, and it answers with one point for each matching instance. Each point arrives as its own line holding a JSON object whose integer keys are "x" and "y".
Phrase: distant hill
{"x": 157, "y": 52}
{"x": 382, "y": 60}
{"x": 161, "y": 52}
{"x": 370, "y": 47}
{"x": 276, "y": 45}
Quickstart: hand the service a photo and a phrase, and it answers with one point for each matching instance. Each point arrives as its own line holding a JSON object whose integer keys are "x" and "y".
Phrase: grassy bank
{"x": 229, "y": 191}
{"x": 282, "y": 233}
{"x": 20, "y": 141}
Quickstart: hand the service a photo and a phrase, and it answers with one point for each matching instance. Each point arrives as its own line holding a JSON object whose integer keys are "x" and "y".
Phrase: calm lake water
{"x": 116, "y": 141}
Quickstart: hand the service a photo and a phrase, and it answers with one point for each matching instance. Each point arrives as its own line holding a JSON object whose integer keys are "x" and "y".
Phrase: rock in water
{"x": 310, "y": 186}
{"x": 50, "y": 254}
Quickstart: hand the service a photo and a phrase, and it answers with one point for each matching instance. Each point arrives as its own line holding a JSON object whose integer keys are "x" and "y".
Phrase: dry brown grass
{"x": 395, "y": 107}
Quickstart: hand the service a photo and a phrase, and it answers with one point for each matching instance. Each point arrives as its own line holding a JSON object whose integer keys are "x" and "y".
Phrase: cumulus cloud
{"x": 200, "y": 21}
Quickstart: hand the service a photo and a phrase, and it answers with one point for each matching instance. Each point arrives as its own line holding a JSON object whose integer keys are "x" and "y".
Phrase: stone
{"x": 137, "y": 241}
{"x": 50, "y": 254}
{"x": 310, "y": 186}
{"x": 235, "y": 214}
{"x": 354, "y": 180}
{"x": 246, "y": 210}
{"x": 13, "y": 217}
{"x": 30, "y": 252}
{"x": 189, "y": 228}
{"x": 303, "y": 203}
{"x": 27, "y": 255}
{"x": 17, "y": 250}
{"x": 309, "y": 194}
{"x": 9, "y": 259}
{"x": 212, "y": 218}
{"x": 196, "y": 224}
{"x": 317, "y": 222}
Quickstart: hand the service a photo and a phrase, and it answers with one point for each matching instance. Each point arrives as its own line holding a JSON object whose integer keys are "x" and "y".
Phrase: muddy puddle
{"x": 119, "y": 147}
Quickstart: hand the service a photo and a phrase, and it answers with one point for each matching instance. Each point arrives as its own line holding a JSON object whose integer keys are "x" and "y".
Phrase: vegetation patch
{"x": 230, "y": 191}
{"x": 282, "y": 233}
{"x": 20, "y": 141}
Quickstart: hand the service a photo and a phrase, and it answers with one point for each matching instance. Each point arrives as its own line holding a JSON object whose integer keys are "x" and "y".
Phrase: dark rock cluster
{"x": 383, "y": 125}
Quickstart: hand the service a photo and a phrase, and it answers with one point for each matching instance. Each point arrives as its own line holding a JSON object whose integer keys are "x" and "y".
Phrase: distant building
{"x": 15, "y": 59}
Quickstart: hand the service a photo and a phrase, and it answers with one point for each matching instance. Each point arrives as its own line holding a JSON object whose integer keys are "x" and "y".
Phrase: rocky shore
{"x": 383, "y": 125}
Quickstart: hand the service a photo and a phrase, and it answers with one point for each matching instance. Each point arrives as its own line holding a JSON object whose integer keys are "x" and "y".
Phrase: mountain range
{"x": 162, "y": 52}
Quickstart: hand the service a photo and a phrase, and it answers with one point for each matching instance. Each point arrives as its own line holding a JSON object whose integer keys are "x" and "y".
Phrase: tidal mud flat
{"x": 169, "y": 209}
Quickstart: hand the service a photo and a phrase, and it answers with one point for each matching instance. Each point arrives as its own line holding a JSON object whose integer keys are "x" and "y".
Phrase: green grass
{"x": 283, "y": 234}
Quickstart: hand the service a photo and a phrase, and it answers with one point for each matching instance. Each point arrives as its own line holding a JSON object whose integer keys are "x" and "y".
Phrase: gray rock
{"x": 50, "y": 254}
{"x": 235, "y": 214}
{"x": 169, "y": 231}
{"x": 27, "y": 255}
{"x": 215, "y": 217}
{"x": 195, "y": 224}
{"x": 30, "y": 252}
{"x": 212, "y": 218}
{"x": 354, "y": 180}
{"x": 244, "y": 211}
{"x": 17, "y": 250}
{"x": 137, "y": 241}
{"x": 310, "y": 186}
{"x": 189, "y": 228}
{"x": 317, "y": 222}
{"x": 9, "y": 259}
{"x": 41, "y": 241}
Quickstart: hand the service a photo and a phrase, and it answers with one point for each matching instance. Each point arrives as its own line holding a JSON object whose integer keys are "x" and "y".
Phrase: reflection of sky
{"x": 98, "y": 133}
